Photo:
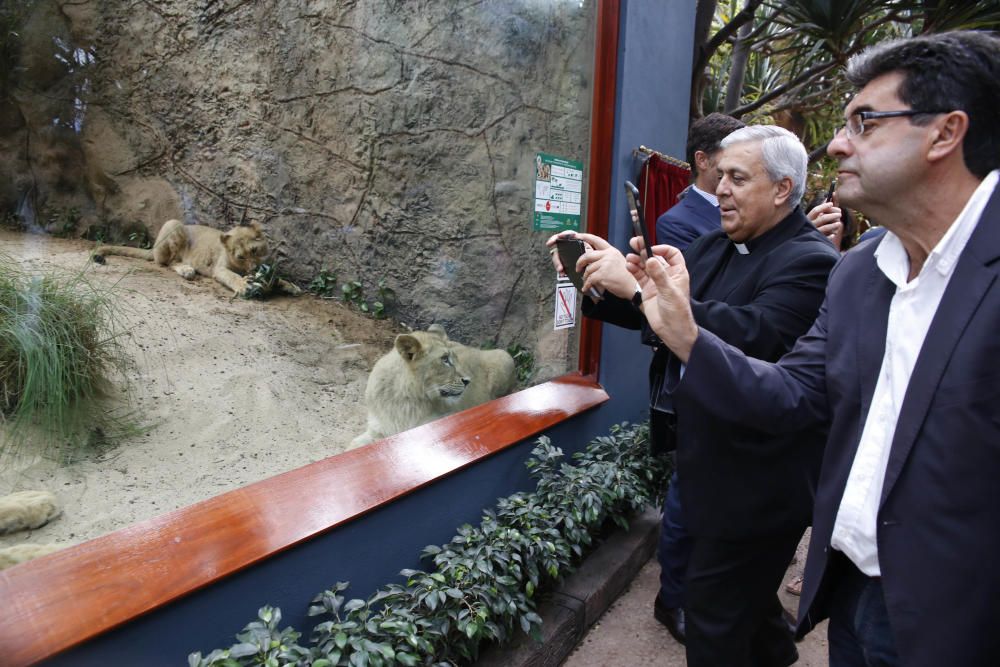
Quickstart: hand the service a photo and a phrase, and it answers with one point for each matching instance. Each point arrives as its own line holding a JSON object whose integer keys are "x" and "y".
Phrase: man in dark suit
{"x": 757, "y": 283}
{"x": 695, "y": 214}
{"x": 903, "y": 364}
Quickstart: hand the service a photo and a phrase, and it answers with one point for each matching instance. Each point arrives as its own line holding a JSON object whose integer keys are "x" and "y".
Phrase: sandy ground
{"x": 627, "y": 633}
{"x": 235, "y": 391}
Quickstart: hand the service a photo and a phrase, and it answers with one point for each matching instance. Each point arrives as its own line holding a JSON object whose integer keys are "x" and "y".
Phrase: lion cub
{"x": 194, "y": 249}
{"x": 427, "y": 376}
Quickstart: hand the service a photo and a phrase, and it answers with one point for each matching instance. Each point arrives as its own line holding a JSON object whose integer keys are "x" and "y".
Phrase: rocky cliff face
{"x": 379, "y": 139}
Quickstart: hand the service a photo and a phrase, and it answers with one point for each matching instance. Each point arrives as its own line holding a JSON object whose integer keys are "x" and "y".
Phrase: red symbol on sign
{"x": 548, "y": 206}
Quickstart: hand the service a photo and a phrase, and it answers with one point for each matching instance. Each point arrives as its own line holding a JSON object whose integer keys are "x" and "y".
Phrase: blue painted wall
{"x": 655, "y": 43}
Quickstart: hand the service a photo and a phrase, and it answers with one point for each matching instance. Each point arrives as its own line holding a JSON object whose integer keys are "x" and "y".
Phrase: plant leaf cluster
{"x": 485, "y": 582}
{"x": 62, "y": 340}
{"x": 324, "y": 285}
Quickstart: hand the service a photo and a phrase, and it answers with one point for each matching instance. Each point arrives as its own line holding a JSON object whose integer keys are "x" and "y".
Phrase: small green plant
{"x": 385, "y": 295}
{"x": 354, "y": 295}
{"x": 324, "y": 285}
{"x": 61, "y": 343}
{"x": 140, "y": 239}
{"x": 486, "y": 580}
{"x": 261, "y": 282}
{"x": 524, "y": 362}
{"x": 62, "y": 222}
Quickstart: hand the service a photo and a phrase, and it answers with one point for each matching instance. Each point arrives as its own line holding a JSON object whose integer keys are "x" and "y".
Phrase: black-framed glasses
{"x": 855, "y": 125}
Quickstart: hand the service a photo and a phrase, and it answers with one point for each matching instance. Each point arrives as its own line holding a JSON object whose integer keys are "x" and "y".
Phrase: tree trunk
{"x": 741, "y": 55}
{"x": 704, "y": 13}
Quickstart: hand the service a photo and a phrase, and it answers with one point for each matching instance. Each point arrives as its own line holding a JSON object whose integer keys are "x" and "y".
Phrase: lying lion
{"x": 193, "y": 249}
{"x": 427, "y": 376}
{"x": 26, "y": 510}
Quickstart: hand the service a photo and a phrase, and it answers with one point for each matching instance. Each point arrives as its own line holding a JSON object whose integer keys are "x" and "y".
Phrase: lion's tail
{"x": 124, "y": 251}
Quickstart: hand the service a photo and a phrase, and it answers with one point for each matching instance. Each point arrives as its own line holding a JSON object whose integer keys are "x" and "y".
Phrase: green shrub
{"x": 486, "y": 580}
{"x": 61, "y": 341}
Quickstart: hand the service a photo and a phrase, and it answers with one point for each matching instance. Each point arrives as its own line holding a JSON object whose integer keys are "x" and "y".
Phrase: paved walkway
{"x": 627, "y": 635}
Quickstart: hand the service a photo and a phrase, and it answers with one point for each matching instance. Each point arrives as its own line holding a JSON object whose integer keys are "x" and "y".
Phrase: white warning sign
{"x": 565, "y": 304}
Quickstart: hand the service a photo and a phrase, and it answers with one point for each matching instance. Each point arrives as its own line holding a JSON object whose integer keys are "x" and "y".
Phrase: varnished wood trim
{"x": 58, "y": 601}
{"x": 602, "y": 122}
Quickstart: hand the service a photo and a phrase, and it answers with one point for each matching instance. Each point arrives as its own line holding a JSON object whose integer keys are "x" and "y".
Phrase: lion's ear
{"x": 256, "y": 226}
{"x": 438, "y": 331}
{"x": 408, "y": 346}
{"x": 226, "y": 238}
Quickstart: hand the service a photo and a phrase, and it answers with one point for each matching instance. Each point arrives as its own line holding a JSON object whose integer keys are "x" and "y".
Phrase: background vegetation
{"x": 781, "y": 61}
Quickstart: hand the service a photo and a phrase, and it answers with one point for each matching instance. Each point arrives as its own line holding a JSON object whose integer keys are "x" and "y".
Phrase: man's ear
{"x": 782, "y": 191}
{"x": 703, "y": 162}
{"x": 408, "y": 346}
{"x": 948, "y": 135}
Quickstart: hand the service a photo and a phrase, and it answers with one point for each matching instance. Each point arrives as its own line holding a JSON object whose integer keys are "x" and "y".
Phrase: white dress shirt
{"x": 709, "y": 197}
{"x": 910, "y": 313}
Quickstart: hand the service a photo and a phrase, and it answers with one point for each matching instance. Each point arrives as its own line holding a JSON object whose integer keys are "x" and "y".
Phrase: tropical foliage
{"x": 485, "y": 583}
{"x": 782, "y": 60}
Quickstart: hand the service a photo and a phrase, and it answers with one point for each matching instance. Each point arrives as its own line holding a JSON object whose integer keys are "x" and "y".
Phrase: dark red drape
{"x": 660, "y": 184}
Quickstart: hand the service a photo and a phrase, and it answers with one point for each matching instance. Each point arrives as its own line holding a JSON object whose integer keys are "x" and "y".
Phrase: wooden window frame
{"x": 167, "y": 557}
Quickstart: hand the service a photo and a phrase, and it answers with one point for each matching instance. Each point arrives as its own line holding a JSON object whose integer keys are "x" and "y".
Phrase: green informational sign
{"x": 558, "y": 193}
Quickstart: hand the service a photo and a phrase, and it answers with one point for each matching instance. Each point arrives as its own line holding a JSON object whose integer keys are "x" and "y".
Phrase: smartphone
{"x": 829, "y": 193}
{"x": 569, "y": 251}
{"x": 638, "y": 222}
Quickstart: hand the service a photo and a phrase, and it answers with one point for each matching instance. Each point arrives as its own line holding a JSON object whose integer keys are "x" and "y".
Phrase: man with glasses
{"x": 902, "y": 364}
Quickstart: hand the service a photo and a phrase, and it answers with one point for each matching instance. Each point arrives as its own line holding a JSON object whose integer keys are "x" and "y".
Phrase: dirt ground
{"x": 627, "y": 633}
{"x": 235, "y": 391}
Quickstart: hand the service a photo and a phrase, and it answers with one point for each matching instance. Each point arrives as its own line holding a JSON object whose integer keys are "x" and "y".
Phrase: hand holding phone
{"x": 570, "y": 250}
{"x": 638, "y": 222}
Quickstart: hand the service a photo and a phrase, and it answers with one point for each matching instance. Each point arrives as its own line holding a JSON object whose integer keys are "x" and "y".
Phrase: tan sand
{"x": 235, "y": 390}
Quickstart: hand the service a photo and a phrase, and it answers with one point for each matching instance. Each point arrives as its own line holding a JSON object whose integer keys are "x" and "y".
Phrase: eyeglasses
{"x": 855, "y": 125}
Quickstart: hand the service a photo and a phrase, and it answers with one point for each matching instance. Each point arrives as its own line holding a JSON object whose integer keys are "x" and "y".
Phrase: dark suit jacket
{"x": 938, "y": 536}
{"x": 686, "y": 220}
{"x": 760, "y": 302}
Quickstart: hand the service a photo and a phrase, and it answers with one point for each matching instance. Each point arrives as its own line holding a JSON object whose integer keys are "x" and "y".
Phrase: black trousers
{"x": 733, "y": 614}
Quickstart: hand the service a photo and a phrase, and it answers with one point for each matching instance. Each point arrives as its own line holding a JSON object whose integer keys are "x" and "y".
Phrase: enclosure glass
{"x": 395, "y": 154}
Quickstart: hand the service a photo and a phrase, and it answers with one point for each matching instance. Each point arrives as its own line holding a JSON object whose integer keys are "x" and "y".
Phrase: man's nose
{"x": 840, "y": 145}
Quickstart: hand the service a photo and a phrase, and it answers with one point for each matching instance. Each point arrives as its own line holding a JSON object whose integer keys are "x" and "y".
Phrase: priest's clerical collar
{"x": 763, "y": 240}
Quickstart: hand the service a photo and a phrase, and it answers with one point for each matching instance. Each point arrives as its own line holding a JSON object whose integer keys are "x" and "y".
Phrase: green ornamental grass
{"x": 61, "y": 343}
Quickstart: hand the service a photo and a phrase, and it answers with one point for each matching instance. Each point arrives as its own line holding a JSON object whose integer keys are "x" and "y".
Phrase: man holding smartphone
{"x": 901, "y": 365}
{"x": 695, "y": 214}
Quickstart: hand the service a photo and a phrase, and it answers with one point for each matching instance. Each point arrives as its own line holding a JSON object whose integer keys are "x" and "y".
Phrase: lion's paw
{"x": 27, "y": 509}
{"x": 19, "y": 553}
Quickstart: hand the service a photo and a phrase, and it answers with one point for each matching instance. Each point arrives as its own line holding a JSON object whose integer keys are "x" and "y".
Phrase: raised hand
{"x": 666, "y": 296}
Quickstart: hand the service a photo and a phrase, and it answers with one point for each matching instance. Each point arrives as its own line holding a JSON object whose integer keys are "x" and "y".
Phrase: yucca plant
{"x": 61, "y": 343}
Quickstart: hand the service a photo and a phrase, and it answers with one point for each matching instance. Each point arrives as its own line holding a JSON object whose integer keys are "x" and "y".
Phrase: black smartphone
{"x": 635, "y": 212}
{"x": 829, "y": 193}
{"x": 569, "y": 251}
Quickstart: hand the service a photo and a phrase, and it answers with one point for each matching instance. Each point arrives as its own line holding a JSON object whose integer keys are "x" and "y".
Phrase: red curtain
{"x": 660, "y": 185}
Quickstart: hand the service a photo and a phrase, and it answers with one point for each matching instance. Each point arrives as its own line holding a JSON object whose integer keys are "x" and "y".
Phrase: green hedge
{"x": 485, "y": 582}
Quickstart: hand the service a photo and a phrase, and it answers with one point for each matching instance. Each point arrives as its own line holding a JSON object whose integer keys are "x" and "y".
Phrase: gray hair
{"x": 783, "y": 153}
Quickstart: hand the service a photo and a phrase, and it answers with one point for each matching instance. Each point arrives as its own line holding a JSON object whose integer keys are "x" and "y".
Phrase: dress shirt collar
{"x": 895, "y": 264}
{"x": 709, "y": 197}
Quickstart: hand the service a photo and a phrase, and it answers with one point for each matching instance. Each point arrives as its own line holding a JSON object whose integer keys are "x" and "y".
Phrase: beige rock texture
{"x": 379, "y": 139}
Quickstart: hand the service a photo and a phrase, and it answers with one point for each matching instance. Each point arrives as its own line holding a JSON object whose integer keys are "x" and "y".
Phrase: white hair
{"x": 783, "y": 153}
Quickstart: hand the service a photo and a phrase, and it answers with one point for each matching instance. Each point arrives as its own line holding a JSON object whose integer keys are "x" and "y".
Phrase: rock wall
{"x": 380, "y": 139}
